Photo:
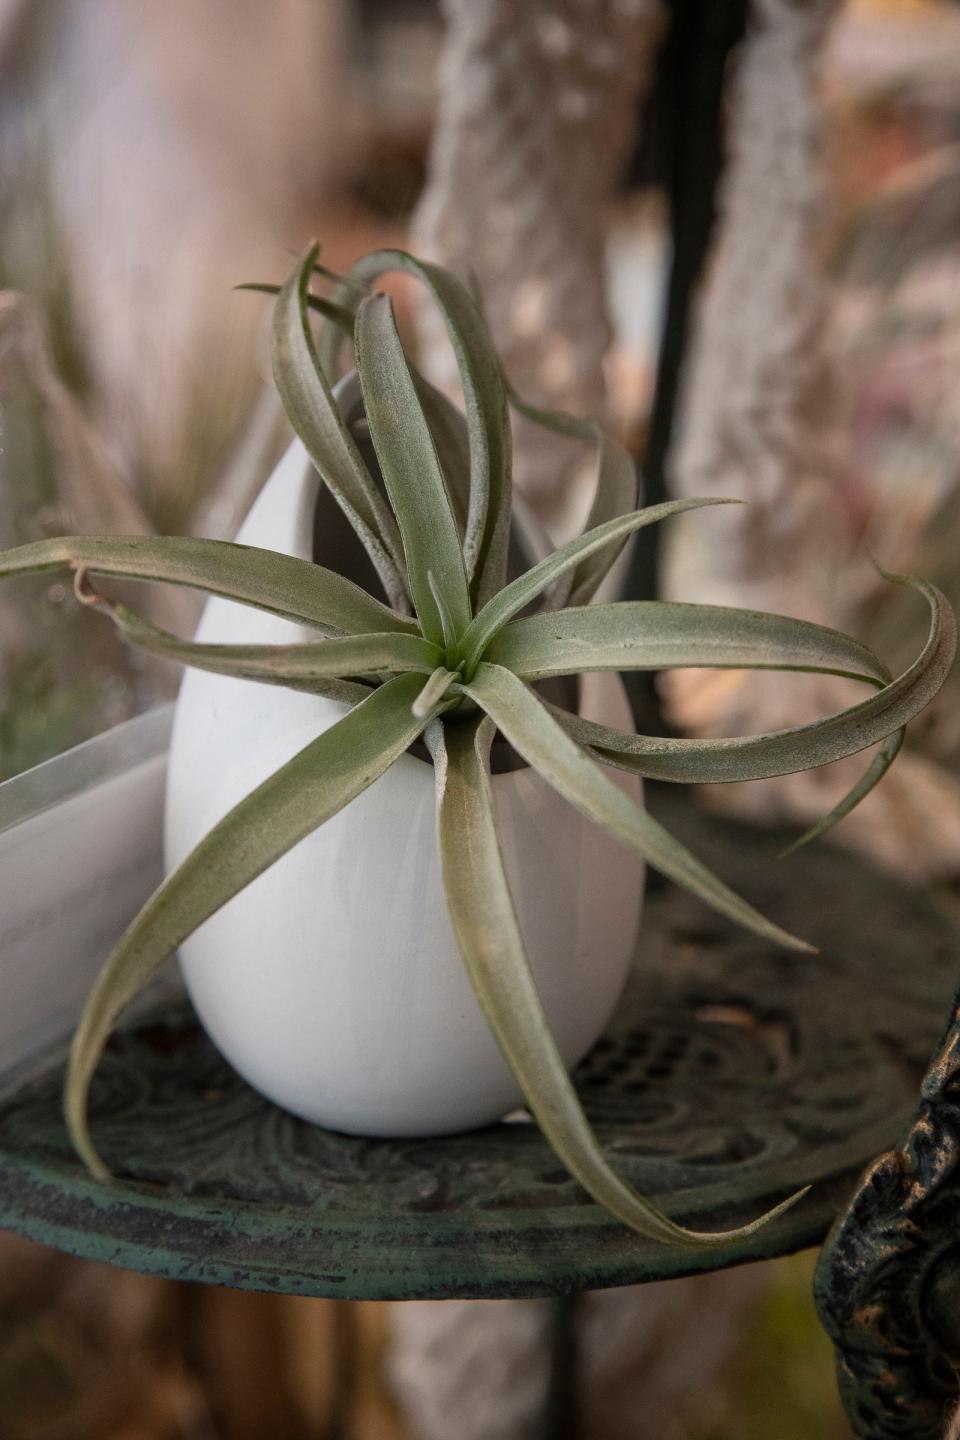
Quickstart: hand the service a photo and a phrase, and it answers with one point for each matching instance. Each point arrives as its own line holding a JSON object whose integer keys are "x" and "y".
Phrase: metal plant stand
{"x": 732, "y": 1074}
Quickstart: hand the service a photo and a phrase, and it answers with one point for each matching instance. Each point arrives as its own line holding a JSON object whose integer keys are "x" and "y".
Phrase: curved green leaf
{"x": 521, "y": 592}
{"x": 448, "y": 426}
{"x": 337, "y": 277}
{"x": 305, "y": 792}
{"x": 616, "y": 494}
{"x": 663, "y": 635}
{"x": 488, "y": 522}
{"x": 870, "y": 778}
{"x": 447, "y": 423}
{"x": 339, "y": 314}
{"x": 802, "y": 747}
{"x": 545, "y": 745}
{"x": 485, "y": 924}
{"x": 313, "y": 413}
{"x": 750, "y": 757}
{"x": 434, "y": 690}
{"x": 913, "y": 690}
{"x": 295, "y": 589}
{"x": 411, "y": 473}
{"x": 317, "y": 669}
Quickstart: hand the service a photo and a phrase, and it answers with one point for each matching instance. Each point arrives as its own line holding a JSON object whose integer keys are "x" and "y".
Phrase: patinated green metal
{"x": 888, "y": 1279}
{"x": 732, "y": 1074}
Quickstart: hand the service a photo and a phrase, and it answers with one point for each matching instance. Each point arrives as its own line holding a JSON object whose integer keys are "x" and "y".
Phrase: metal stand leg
{"x": 560, "y": 1419}
{"x": 687, "y": 123}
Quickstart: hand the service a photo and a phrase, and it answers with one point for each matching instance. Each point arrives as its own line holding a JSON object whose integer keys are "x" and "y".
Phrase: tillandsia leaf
{"x": 544, "y": 744}
{"x": 339, "y": 278}
{"x": 447, "y": 423}
{"x": 616, "y": 494}
{"x": 434, "y": 690}
{"x": 488, "y": 522}
{"x": 296, "y": 800}
{"x": 295, "y": 589}
{"x": 411, "y": 473}
{"x": 339, "y": 314}
{"x": 912, "y": 691}
{"x": 663, "y": 635}
{"x": 313, "y": 413}
{"x": 318, "y": 669}
{"x": 446, "y": 619}
{"x": 752, "y": 757}
{"x": 870, "y": 778}
{"x": 521, "y": 592}
{"x": 802, "y": 747}
{"x": 489, "y": 938}
{"x": 448, "y": 427}
{"x": 336, "y": 277}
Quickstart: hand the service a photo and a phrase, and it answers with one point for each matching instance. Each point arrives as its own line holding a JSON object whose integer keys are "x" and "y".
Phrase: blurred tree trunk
{"x": 535, "y": 121}
{"x": 759, "y": 400}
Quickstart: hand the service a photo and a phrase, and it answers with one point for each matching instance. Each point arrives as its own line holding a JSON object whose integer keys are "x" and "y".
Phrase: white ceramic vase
{"x": 333, "y": 983}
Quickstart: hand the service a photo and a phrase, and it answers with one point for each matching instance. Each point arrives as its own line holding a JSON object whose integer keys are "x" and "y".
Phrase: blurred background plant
{"x": 154, "y": 155}
{"x": 141, "y": 182}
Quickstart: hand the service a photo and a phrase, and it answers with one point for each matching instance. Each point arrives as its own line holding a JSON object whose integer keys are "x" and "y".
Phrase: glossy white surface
{"x": 333, "y": 983}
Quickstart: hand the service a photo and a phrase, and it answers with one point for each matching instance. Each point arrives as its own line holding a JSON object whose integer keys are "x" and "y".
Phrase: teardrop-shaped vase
{"x": 333, "y": 982}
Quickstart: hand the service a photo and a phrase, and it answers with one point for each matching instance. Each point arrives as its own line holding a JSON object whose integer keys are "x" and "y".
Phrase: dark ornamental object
{"x": 888, "y": 1279}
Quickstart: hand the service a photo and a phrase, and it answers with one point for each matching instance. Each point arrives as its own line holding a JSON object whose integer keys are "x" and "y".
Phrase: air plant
{"x": 453, "y": 656}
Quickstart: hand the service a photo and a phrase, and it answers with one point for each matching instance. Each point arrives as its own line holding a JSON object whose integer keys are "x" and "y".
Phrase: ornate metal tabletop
{"x": 732, "y": 1074}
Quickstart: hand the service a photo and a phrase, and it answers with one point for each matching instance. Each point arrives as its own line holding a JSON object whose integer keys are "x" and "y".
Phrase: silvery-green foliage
{"x": 452, "y": 657}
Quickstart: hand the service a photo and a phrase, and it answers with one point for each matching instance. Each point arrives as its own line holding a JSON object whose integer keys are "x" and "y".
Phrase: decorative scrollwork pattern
{"x": 888, "y": 1280}
{"x": 731, "y": 1074}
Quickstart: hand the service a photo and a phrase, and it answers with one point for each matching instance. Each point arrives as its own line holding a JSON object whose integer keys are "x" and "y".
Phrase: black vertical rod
{"x": 560, "y": 1418}
{"x": 687, "y": 113}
